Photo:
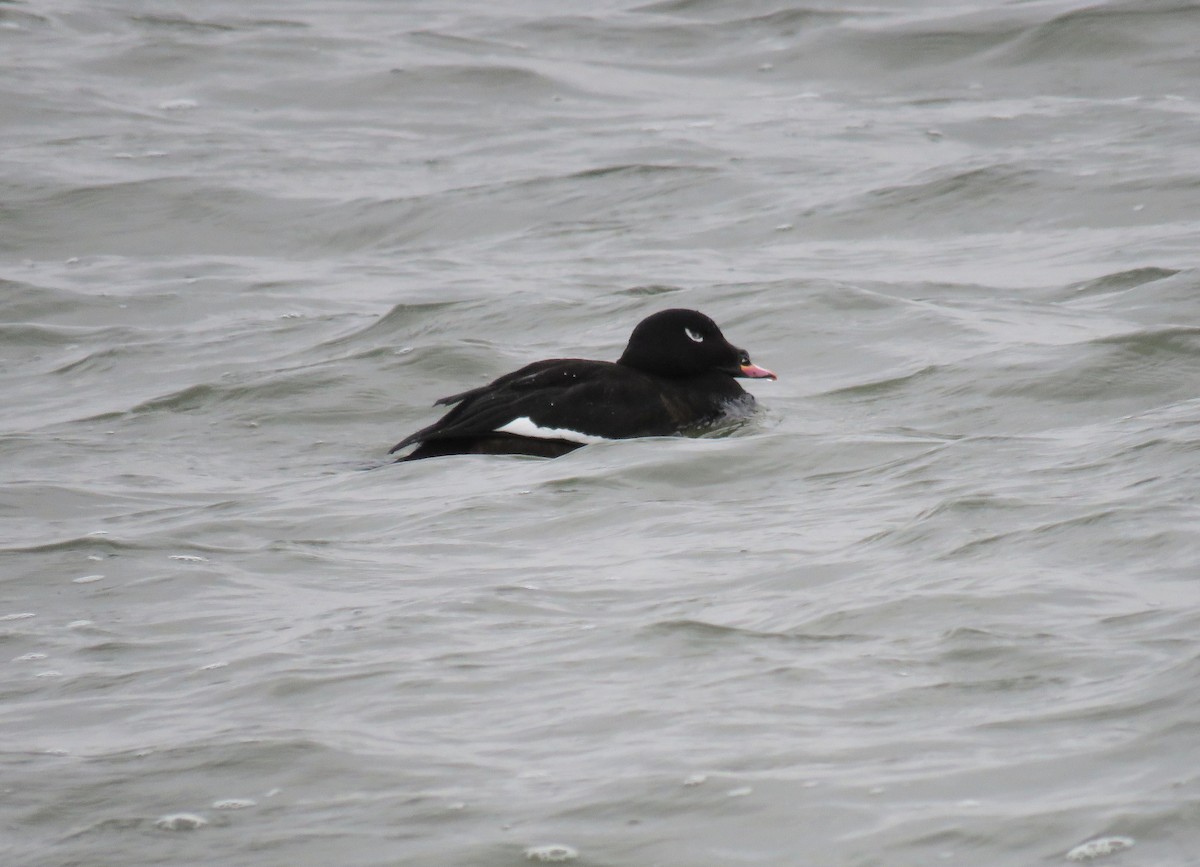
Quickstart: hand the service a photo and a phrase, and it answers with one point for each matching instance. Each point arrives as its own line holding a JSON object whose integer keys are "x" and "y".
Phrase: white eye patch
{"x": 693, "y": 335}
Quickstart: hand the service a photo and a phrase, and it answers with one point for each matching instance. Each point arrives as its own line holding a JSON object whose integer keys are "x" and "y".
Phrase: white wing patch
{"x": 694, "y": 335}
{"x": 525, "y": 427}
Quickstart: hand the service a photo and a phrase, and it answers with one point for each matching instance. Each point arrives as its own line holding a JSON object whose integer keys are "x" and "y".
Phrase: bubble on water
{"x": 94, "y": 557}
{"x": 553, "y": 853}
{"x": 213, "y": 665}
{"x": 178, "y": 104}
{"x": 1099, "y": 847}
{"x": 696, "y": 780}
{"x": 21, "y": 615}
{"x": 50, "y": 673}
{"x": 56, "y": 751}
{"x": 188, "y": 558}
{"x": 87, "y": 579}
{"x": 98, "y": 533}
{"x": 180, "y": 822}
{"x": 78, "y": 624}
{"x": 234, "y": 803}
{"x": 28, "y": 657}
{"x": 740, "y": 792}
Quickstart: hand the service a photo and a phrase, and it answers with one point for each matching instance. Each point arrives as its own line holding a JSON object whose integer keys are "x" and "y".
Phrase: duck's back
{"x": 551, "y": 407}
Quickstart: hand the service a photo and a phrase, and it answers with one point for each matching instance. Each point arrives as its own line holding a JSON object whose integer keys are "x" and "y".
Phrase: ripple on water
{"x": 936, "y": 590}
{"x": 552, "y": 853}
{"x": 180, "y": 822}
{"x": 234, "y": 803}
{"x": 1099, "y": 847}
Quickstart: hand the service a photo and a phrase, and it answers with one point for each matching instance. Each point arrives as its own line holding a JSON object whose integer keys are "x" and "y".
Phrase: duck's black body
{"x": 677, "y": 372}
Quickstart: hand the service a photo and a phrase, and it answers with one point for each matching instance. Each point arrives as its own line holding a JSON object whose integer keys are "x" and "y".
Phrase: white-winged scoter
{"x": 677, "y": 372}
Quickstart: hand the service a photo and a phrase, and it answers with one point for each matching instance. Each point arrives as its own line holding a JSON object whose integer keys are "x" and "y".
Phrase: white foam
{"x": 553, "y": 853}
{"x": 526, "y": 427}
{"x": 234, "y": 804}
{"x": 181, "y": 822}
{"x": 1099, "y": 847}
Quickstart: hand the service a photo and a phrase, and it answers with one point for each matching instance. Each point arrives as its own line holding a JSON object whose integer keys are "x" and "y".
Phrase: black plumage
{"x": 677, "y": 372}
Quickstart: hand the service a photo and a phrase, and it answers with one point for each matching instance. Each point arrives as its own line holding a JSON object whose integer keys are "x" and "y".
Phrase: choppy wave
{"x": 933, "y": 603}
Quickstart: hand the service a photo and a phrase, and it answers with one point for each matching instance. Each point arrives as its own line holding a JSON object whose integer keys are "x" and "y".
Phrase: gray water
{"x": 936, "y": 603}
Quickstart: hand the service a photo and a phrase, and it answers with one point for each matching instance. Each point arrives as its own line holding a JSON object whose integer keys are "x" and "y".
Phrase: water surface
{"x": 936, "y": 603}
